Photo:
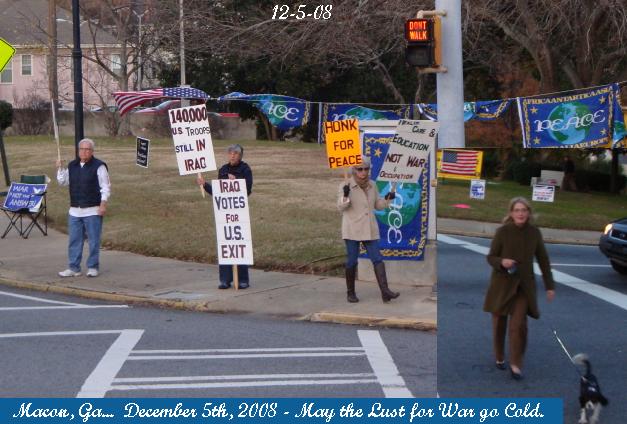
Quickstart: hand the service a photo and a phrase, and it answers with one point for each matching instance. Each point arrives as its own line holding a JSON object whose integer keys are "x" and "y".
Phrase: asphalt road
{"x": 589, "y": 315}
{"x": 56, "y": 346}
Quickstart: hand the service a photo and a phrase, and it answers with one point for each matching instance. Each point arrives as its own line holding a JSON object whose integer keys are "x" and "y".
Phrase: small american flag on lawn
{"x": 127, "y": 100}
{"x": 459, "y": 162}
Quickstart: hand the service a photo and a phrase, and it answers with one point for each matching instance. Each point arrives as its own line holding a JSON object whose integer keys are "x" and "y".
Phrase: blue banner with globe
{"x": 343, "y": 111}
{"x": 403, "y": 226}
{"x": 575, "y": 119}
{"x": 430, "y": 110}
{"x": 283, "y": 112}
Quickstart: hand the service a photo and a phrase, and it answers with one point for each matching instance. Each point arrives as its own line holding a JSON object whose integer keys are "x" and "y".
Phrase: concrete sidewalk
{"x": 131, "y": 278}
{"x": 127, "y": 277}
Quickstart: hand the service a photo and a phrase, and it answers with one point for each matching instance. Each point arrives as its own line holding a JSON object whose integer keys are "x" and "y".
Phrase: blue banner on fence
{"x": 22, "y": 196}
{"x": 402, "y": 227}
{"x": 283, "y": 112}
{"x": 431, "y": 110}
{"x": 282, "y": 410}
{"x": 343, "y": 111}
{"x": 575, "y": 119}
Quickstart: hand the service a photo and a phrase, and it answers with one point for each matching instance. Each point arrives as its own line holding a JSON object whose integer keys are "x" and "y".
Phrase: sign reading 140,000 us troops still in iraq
{"x": 409, "y": 151}
{"x": 192, "y": 139}
{"x": 230, "y": 207}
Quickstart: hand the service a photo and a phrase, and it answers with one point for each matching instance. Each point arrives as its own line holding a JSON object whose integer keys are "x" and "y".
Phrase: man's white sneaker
{"x": 92, "y": 272}
{"x": 69, "y": 273}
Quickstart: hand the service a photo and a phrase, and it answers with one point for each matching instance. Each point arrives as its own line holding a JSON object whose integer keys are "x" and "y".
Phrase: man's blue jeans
{"x": 226, "y": 273}
{"x": 352, "y": 252}
{"x": 89, "y": 227}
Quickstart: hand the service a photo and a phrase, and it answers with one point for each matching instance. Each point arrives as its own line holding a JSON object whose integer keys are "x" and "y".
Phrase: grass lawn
{"x": 578, "y": 211}
{"x": 296, "y": 226}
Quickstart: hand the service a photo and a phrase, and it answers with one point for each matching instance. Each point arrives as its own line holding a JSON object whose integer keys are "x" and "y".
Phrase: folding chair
{"x": 30, "y": 197}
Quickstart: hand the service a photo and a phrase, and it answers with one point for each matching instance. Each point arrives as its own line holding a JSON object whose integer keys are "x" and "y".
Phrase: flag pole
{"x": 55, "y": 127}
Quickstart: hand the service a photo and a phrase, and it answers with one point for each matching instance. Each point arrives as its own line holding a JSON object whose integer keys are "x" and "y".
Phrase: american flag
{"x": 460, "y": 162}
{"x": 127, "y": 100}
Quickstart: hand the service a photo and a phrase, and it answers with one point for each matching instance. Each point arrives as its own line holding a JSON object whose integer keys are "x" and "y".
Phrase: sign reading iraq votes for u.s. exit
{"x": 230, "y": 206}
{"x": 192, "y": 139}
{"x": 409, "y": 151}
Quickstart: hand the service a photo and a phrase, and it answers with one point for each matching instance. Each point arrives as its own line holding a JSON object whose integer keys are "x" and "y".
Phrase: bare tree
{"x": 347, "y": 33}
{"x": 583, "y": 42}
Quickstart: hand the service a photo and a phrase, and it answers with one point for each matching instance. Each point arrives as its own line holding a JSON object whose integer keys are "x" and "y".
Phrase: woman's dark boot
{"x": 350, "y": 284}
{"x": 386, "y": 293}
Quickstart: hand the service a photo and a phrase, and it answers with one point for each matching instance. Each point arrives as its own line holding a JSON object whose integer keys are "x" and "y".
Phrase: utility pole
{"x": 182, "y": 42}
{"x": 184, "y": 102}
{"x": 78, "y": 77}
{"x": 450, "y": 84}
{"x": 139, "y": 48}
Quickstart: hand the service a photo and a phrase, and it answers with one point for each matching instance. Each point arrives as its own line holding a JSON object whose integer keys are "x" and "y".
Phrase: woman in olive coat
{"x": 512, "y": 290}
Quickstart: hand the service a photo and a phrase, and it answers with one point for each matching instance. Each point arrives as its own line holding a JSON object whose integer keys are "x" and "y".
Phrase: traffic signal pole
{"x": 450, "y": 84}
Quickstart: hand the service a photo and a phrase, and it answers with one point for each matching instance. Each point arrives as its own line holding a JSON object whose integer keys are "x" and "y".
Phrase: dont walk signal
{"x": 421, "y": 37}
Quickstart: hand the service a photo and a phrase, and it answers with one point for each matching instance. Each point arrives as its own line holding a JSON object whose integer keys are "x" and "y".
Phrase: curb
{"x": 547, "y": 239}
{"x": 328, "y": 317}
{"x": 405, "y": 323}
{"x": 104, "y": 296}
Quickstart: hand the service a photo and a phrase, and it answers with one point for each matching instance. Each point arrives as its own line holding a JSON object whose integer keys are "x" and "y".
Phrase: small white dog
{"x": 590, "y": 396}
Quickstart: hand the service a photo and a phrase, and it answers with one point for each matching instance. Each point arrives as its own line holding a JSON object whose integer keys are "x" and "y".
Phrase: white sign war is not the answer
{"x": 409, "y": 151}
{"x": 230, "y": 207}
{"x": 192, "y": 139}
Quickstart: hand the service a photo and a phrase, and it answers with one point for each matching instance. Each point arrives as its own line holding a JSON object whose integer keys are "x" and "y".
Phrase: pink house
{"x": 24, "y": 80}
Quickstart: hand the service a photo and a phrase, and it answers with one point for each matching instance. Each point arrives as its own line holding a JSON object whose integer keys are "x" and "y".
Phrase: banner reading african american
{"x": 403, "y": 226}
{"x": 576, "y": 119}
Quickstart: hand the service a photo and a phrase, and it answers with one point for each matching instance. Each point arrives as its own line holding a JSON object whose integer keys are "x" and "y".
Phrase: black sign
{"x": 143, "y": 147}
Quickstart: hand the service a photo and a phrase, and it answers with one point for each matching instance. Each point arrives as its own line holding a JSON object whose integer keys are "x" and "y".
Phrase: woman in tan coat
{"x": 512, "y": 290}
{"x": 356, "y": 201}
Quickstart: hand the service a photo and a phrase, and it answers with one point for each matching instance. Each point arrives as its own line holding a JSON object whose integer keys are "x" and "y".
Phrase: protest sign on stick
{"x": 343, "y": 145}
{"x": 409, "y": 151}
{"x": 192, "y": 140}
{"x": 230, "y": 206}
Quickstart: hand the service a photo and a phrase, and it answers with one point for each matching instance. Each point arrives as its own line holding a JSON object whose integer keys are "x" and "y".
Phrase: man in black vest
{"x": 235, "y": 168}
{"x": 90, "y": 188}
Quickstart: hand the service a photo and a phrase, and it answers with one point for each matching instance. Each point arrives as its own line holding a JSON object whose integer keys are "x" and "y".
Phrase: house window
{"x": 6, "y": 76}
{"x": 116, "y": 64}
{"x": 27, "y": 66}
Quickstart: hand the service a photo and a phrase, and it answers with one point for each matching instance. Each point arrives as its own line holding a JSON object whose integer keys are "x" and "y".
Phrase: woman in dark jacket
{"x": 512, "y": 290}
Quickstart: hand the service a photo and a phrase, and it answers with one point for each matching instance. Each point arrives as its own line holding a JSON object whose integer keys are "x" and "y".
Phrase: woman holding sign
{"x": 235, "y": 168}
{"x": 512, "y": 292}
{"x": 357, "y": 199}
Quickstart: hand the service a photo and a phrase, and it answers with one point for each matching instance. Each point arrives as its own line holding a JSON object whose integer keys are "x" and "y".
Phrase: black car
{"x": 613, "y": 244}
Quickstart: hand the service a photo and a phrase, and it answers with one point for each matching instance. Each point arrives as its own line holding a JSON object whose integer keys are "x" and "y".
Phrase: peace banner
{"x": 402, "y": 226}
{"x": 283, "y": 112}
{"x": 575, "y": 119}
{"x": 343, "y": 111}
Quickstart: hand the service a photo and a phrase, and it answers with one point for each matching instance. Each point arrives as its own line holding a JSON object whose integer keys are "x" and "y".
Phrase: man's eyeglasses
{"x": 84, "y": 148}
{"x": 362, "y": 169}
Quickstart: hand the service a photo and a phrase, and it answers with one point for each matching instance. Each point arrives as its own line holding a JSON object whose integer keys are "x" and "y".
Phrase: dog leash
{"x": 570, "y": 358}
